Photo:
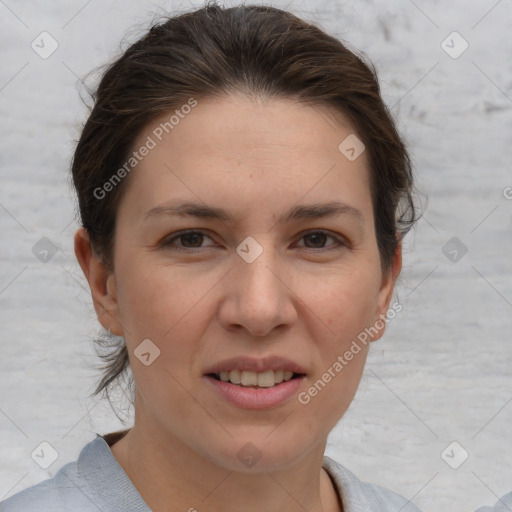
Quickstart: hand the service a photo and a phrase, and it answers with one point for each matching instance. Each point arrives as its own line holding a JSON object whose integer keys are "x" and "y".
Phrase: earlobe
{"x": 386, "y": 291}
{"x": 101, "y": 282}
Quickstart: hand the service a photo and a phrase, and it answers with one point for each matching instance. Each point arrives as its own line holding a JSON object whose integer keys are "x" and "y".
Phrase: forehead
{"x": 248, "y": 151}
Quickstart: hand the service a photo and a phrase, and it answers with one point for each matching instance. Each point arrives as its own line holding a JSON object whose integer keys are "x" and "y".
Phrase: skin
{"x": 305, "y": 297}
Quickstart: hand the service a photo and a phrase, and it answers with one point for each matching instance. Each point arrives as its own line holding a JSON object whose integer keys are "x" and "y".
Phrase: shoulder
{"x": 359, "y": 496}
{"x": 57, "y": 494}
{"x": 94, "y": 482}
{"x": 68, "y": 490}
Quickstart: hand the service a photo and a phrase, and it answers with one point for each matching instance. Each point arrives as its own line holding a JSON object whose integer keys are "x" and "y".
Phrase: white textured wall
{"x": 442, "y": 373}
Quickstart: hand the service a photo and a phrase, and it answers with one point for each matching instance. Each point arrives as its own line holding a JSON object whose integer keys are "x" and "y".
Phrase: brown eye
{"x": 189, "y": 240}
{"x": 192, "y": 238}
{"x": 318, "y": 239}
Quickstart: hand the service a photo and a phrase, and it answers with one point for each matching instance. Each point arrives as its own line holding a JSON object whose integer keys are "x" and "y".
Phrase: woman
{"x": 243, "y": 194}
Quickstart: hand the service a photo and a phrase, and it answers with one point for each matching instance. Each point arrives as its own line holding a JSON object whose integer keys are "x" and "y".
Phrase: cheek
{"x": 344, "y": 300}
{"x": 344, "y": 305}
{"x": 164, "y": 305}
{"x": 154, "y": 298}
{"x": 169, "y": 306}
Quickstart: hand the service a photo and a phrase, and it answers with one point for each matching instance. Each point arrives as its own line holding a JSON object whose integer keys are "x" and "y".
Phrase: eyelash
{"x": 168, "y": 243}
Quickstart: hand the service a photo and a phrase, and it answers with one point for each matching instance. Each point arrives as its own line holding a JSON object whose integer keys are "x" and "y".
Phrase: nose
{"x": 258, "y": 297}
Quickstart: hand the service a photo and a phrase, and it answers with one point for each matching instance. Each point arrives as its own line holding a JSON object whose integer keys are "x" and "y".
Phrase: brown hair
{"x": 258, "y": 50}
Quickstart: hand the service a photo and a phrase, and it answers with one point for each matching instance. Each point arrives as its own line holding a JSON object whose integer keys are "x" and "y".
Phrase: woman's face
{"x": 265, "y": 281}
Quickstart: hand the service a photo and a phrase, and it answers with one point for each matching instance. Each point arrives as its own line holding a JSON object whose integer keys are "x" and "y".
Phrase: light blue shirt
{"x": 97, "y": 483}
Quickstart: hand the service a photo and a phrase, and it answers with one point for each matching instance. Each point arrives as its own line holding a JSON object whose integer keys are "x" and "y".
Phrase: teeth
{"x": 266, "y": 379}
{"x": 249, "y": 379}
{"x": 262, "y": 379}
{"x": 235, "y": 376}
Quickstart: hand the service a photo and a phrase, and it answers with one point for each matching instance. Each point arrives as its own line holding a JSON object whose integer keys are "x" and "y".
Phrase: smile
{"x": 246, "y": 378}
{"x": 255, "y": 383}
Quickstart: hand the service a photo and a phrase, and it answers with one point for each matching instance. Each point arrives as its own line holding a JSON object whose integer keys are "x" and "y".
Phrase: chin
{"x": 254, "y": 454}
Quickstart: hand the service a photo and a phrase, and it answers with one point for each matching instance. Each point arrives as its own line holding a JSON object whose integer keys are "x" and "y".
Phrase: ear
{"x": 386, "y": 292}
{"x": 102, "y": 283}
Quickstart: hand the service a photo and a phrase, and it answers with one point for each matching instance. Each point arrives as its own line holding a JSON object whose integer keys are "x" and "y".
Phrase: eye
{"x": 319, "y": 238}
{"x": 190, "y": 240}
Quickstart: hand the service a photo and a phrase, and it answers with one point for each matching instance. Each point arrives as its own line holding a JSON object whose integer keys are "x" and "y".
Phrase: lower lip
{"x": 256, "y": 398}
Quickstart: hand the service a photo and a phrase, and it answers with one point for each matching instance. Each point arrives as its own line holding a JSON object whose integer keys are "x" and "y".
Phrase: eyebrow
{"x": 311, "y": 211}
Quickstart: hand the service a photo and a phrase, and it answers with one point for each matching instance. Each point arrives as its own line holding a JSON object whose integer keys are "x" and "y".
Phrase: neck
{"x": 168, "y": 473}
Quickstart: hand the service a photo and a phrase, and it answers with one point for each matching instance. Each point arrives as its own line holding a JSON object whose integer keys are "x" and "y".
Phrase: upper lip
{"x": 255, "y": 365}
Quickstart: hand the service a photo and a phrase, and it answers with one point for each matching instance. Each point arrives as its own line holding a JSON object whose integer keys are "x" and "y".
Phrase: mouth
{"x": 252, "y": 379}
{"x": 255, "y": 383}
